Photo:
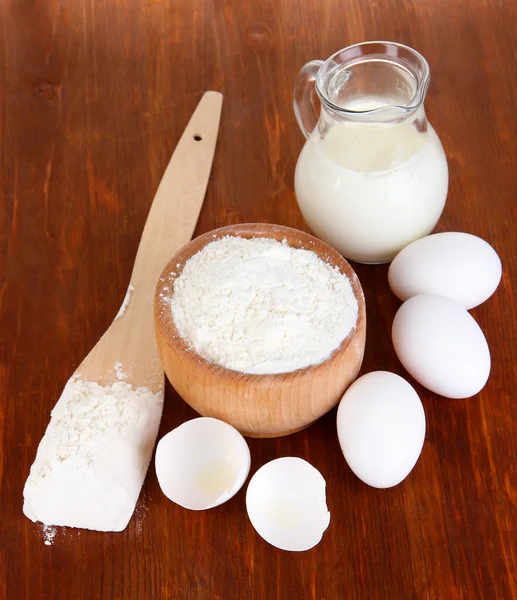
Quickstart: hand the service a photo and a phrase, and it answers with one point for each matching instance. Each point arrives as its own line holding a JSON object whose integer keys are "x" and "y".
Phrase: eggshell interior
{"x": 202, "y": 463}
{"x": 286, "y": 504}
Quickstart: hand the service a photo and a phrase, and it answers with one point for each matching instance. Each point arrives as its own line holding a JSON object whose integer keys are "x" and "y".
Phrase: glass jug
{"x": 372, "y": 176}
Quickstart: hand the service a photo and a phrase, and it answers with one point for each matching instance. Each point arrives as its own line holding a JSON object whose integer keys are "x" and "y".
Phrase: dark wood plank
{"x": 93, "y": 97}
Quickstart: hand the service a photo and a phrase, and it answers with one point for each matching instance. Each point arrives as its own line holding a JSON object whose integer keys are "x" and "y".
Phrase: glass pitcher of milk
{"x": 372, "y": 176}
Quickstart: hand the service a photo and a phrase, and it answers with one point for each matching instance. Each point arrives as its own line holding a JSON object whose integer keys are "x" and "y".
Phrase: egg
{"x": 202, "y": 463}
{"x": 286, "y": 504}
{"x": 381, "y": 428}
{"x": 459, "y": 266}
{"x": 441, "y": 346}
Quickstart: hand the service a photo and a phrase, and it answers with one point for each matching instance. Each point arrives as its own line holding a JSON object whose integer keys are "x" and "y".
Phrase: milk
{"x": 369, "y": 189}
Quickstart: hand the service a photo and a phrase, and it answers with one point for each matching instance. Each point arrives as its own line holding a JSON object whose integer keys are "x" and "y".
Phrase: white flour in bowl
{"x": 259, "y": 306}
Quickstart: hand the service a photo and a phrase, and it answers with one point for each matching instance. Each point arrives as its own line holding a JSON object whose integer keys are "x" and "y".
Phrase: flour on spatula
{"x": 92, "y": 460}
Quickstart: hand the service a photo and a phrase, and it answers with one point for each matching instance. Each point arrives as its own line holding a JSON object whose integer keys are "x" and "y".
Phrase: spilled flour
{"x": 119, "y": 370}
{"x": 126, "y": 302}
{"x": 49, "y": 533}
{"x": 140, "y": 511}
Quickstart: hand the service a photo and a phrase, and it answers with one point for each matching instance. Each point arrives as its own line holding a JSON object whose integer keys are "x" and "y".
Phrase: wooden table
{"x": 94, "y": 96}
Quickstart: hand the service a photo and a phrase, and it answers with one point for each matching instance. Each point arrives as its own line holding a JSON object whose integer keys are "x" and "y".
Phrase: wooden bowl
{"x": 257, "y": 405}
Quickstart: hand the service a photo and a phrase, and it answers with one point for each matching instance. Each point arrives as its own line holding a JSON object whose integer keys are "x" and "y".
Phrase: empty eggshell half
{"x": 202, "y": 463}
{"x": 286, "y": 504}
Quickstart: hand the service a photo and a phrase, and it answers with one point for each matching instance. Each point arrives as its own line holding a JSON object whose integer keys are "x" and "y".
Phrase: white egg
{"x": 381, "y": 428}
{"x": 441, "y": 346}
{"x": 459, "y": 266}
{"x": 202, "y": 463}
{"x": 286, "y": 504}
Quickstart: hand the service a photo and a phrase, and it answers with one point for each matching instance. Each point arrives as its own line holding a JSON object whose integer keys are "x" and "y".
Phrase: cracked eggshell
{"x": 286, "y": 504}
{"x": 202, "y": 463}
{"x": 381, "y": 428}
{"x": 459, "y": 266}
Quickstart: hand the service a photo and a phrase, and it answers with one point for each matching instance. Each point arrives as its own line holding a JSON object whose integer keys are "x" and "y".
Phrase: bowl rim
{"x": 165, "y": 321}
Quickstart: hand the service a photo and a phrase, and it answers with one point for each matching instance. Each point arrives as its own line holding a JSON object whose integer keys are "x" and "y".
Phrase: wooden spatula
{"x": 130, "y": 340}
{"x": 92, "y": 460}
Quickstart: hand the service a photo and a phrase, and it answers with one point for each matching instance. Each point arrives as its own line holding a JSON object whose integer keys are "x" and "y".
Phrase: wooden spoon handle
{"x": 130, "y": 340}
{"x": 178, "y": 201}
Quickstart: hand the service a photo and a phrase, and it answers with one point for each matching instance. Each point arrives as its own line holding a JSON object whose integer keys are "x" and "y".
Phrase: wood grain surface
{"x": 94, "y": 95}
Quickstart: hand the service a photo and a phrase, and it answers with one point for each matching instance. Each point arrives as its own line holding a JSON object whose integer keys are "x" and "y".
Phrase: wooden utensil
{"x": 130, "y": 339}
{"x": 258, "y": 405}
{"x": 126, "y": 351}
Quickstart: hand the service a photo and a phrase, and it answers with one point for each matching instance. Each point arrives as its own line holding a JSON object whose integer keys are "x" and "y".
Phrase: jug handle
{"x": 303, "y": 104}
